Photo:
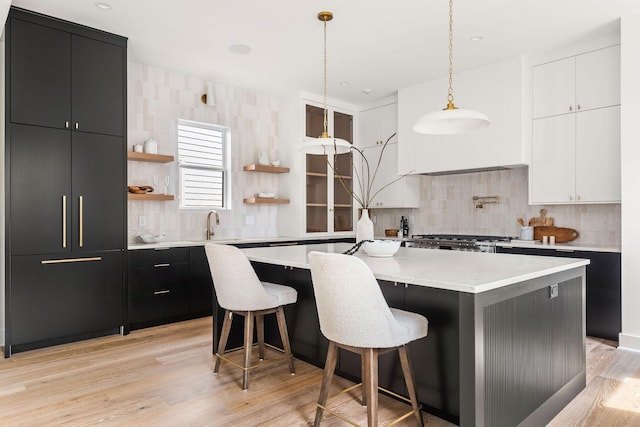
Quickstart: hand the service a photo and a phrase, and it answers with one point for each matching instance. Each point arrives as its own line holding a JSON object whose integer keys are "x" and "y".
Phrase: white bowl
{"x": 150, "y": 238}
{"x": 381, "y": 248}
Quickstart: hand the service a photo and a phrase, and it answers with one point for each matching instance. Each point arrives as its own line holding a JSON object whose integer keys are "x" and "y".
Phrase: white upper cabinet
{"x": 576, "y": 129}
{"x": 578, "y": 83}
{"x": 376, "y": 125}
{"x": 496, "y": 90}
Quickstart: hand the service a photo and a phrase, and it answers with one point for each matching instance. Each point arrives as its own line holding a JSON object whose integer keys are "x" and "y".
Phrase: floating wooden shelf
{"x": 257, "y": 200}
{"x": 132, "y": 196}
{"x": 146, "y": 157}
{"x": 265, "y": 168}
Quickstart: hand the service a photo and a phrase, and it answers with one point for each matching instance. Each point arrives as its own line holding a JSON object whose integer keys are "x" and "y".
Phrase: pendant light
{"x": 451, "y": 120}
{"x": 325, "y": 144}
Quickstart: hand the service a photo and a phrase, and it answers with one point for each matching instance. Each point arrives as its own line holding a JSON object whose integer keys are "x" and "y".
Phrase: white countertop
{"x": 472, "y": 272}
{"x": 566, "y": 247}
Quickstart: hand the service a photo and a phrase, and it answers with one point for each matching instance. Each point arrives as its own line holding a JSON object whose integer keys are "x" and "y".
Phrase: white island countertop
{"x": 471, "y": 272}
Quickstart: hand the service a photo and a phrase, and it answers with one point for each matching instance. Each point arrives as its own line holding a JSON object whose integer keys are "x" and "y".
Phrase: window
{"x": 202, "y": 159}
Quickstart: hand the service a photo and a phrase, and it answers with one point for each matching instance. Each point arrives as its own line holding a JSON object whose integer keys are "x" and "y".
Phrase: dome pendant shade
{"x": 451, "y": 121}
{"x": 325, "y": 145}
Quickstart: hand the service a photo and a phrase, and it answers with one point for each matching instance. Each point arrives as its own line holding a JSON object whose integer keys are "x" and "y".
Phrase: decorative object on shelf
{"x": 208, "y": 98}
{"x": 325, "y": 144}
{"x": 275, "y": 163}
{"x": 151, "y": 146}
{"x": 266, "y": 195}
{"x": 364, "y": 227}
{"x": 391, "y": 232}
{"x": 263, "y": 158}
{"x": 150, "y": 238}
{"x": 381, "y": 248}
{"x": 451, "y": 120}
{"x": 542, "y": 220}
{"x": 138, "y": 148}
{"x": 140, "y": 189}
{"x": 167, "y": 181}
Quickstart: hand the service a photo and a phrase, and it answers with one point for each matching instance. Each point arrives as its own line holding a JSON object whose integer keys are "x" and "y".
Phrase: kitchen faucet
{"x": 209, "y": 231}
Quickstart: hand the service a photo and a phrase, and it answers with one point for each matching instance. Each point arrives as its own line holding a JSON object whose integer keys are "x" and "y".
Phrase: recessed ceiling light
{"x": 367, "y": 91}
{"x": 344, "y": 83}
{"x": 103, "y": 5}
{"x": 476, "y": 38}
{"x": 240, "y": 49}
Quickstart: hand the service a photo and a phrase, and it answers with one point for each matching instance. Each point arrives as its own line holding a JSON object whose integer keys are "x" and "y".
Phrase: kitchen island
{"x": 506, "y": 343}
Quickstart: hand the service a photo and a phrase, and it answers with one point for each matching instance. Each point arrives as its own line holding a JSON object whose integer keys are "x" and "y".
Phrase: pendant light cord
{"x": 450, "y": 93}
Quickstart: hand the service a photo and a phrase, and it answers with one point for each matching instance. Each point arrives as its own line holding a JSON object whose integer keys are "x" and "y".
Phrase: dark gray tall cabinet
{"x": 65, "y": 182}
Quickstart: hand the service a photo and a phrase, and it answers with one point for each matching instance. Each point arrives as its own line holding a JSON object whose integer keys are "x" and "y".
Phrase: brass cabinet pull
{"x": 81, "y": 221}
{"x": 64, "y": 221}
{"x": 162, "y": 265}
{"x": 77, "y": 126}
{"x": 166, "y": 291}
{"x": 69, "y": 260}
{"x": 66, "y": 124}
{"x": 283, "y": 244}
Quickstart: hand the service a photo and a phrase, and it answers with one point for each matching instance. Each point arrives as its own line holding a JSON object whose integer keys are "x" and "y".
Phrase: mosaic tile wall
{"x": 446, "y": 206}
{"x": 157, "y": 98}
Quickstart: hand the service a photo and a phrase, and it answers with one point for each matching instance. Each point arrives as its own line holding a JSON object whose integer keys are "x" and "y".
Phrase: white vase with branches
{"x": 363, "y": 193}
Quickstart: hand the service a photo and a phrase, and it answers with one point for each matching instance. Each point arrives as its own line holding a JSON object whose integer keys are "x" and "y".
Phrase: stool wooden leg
{"x": 284, "y": 336}
{"x": 224, "y": 336}
{"x": 370, "y": 356}
{"x": 248, "y": 342}
{"x": 409, "y": 380}
{"x": 363, "y": 374}
{"x": 329, "y": 367}
{"x": 260, "y": 331}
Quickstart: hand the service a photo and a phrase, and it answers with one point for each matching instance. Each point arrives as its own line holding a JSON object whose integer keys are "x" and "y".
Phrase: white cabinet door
{"x": 552, "y": 167}
{"x": 553, "y": 88}
{"x": 598, "y": 79}
{"x": 376, "y": 126}
{"x": 598, "y": 155}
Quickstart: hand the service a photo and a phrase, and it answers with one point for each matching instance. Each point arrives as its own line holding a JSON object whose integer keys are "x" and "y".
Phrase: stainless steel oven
{"x": 456, "y": 242}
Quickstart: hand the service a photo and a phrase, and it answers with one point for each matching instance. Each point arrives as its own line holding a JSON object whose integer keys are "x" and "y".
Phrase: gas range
{"x": 457, "y": 242}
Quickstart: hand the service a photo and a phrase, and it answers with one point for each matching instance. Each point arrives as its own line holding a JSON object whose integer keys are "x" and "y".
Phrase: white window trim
{"x": 225, "y": 168}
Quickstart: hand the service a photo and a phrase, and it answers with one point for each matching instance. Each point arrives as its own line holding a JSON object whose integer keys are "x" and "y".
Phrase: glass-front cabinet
{"x": 329, "y": 179}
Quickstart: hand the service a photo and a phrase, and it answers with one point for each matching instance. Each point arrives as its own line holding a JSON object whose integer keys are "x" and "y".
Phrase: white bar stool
{"x": 239, "y": 291}
{"x": 354, "y": 316}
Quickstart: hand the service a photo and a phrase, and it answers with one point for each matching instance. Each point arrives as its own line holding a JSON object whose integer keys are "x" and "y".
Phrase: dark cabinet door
{"x": 52, "y": 300}
{"x": 98, "y": 199}
{"x": 40, "y": 64}
{"x": 98, "y": 86}
{"x": 40, "y": 200}
{"x": 201, "y": 295}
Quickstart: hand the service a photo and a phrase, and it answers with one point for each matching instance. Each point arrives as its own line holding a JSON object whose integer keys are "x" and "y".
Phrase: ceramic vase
{"x": 364, "y": 227}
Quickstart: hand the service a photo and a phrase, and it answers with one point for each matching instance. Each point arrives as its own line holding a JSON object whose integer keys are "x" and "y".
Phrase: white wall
{"x": 630, "y": 150}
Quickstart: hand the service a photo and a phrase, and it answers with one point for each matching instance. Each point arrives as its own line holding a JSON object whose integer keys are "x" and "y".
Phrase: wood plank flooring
{"x": 163, "y": 377}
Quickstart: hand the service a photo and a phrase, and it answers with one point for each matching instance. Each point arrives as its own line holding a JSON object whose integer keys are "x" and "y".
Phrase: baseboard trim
{"x": 629, "y": 342}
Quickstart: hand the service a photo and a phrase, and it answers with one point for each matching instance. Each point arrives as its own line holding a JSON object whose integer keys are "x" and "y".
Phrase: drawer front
{"x": 159, "y": 292}
{"x": 150, "y": 257}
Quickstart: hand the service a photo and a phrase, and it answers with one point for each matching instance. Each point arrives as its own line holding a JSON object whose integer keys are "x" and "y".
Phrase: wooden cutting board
{"x": 562, "y": 234}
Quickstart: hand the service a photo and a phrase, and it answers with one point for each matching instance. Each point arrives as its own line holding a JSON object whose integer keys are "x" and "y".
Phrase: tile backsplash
{"x": 446, "y": 206}
{"x": 158, "y": 98}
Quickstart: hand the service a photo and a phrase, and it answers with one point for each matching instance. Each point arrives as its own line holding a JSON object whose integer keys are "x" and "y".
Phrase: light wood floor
{"x": 163, "y": 377}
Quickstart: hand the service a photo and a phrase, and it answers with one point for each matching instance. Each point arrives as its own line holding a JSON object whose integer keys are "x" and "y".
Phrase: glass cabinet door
{"x": 329, "y": 203}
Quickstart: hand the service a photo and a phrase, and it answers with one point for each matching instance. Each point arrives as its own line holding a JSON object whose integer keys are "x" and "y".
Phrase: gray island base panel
{"x": 506, "y": 343}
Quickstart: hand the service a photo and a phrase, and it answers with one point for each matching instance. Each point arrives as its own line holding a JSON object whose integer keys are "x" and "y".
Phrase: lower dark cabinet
{"x": 200, "y": 283}
{"x": 56, "y": 299}
{"x": 158, "y": 286}
{"x": 604, "y": 315}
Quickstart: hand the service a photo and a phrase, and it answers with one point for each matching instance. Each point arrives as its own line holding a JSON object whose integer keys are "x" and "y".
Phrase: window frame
{"x": 224, "y": 169}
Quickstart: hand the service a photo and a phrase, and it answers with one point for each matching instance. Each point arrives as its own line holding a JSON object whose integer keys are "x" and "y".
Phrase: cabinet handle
{"x": 77, "y": 126}
{"x": 64, "y": 221}
{"x": 283, "y": 244}
{"x": 579, "y": 198}
{"x": 570, "y": 197}
{"x": 161, "y": 249}
{"x": 69, "y": 260}
{"x": 66, "y": 124}
{"x": 166, "y": 291}
{"x": 570, "y": 108}
{"x": 579, "y": 106}
{"x": 161, "y": 265}
{"x": 81, "y": 209}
